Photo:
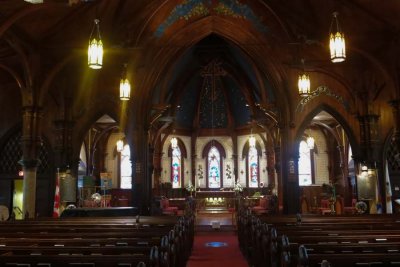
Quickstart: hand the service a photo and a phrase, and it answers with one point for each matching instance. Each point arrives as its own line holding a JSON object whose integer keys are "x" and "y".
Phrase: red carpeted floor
{"x": 204, "y": 253}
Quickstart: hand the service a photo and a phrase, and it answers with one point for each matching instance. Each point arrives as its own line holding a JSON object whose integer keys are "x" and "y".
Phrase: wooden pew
{"x": 108, "y": 238}
{"x": 334, "y": 230}
{"x": 347, "y": 259}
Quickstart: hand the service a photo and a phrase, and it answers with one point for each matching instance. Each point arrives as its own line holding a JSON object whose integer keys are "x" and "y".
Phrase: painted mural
{"x": 195, "y": 9}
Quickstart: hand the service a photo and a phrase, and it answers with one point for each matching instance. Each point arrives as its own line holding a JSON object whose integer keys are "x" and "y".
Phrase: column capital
{"x": 29, "y": 163}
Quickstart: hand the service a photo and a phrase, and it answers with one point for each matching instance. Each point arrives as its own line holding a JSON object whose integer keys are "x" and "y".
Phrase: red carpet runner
{"x": 223, "y": 252}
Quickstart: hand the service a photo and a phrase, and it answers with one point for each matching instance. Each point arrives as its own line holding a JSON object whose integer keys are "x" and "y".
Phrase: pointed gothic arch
{"x": 214, "y": 155}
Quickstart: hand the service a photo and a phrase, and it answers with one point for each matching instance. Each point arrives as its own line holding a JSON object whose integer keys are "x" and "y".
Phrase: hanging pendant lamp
{"x": 95, "y": 49}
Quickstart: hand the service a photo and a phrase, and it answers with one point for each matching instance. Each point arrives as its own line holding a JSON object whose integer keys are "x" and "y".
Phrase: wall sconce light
{"x": 95, "y": 49}
{"x": 252, "y": 141}
{"x": 120, "y": 145}
{"x": 310, "y": 142}
{"x": 174, "y": 142}
{"x": 364, "y": 169}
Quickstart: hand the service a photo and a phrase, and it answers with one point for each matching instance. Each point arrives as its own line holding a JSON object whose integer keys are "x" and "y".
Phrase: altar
{"x": 215, "y": 194}
{"x": 215, "y": 200}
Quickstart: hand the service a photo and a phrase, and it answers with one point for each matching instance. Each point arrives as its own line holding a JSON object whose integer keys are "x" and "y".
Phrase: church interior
{"x": 255, "y": 110}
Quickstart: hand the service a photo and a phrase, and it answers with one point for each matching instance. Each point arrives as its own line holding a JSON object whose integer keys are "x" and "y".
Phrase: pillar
{"x": 63, "y": 143}
{"x": 31, "y": 143}
{"x": 395, "y": 104}
{"x": 29, "y": 187}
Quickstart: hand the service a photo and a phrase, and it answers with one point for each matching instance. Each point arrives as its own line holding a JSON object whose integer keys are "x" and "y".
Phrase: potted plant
{"x": 330, "y": 190}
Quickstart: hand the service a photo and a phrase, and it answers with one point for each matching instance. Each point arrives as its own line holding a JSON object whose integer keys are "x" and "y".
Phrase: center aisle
{"x": 215, "y": 249}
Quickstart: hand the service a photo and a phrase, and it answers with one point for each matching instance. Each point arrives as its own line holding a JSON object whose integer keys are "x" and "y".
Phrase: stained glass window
{"x": 176, "y": 168}
{"x": 214, "y": 171}
{"x": 253, "y": 167}
{"x": 126, "y": 168}
{"x": 305, "y": 177}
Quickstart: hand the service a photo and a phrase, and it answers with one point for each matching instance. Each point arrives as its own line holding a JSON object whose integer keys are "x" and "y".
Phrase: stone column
{"x": 270, "y": 168}
{"x": 277, "y": 165}
{"x": 235, "y": 167}
{"x": 395, "y": 104}
{"x": 31, "y": 143}
{"x": 369, "y": 138}
{"x": 63, "y": 144}
{"x": 292, "y": 192}
{"x": 157, "y": 169}
{"x": 29, "y": 187}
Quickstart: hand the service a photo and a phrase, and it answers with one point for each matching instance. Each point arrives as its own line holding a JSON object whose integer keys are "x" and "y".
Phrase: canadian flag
{"x": 56, "y": 208}
{"x": 389, "y": 207}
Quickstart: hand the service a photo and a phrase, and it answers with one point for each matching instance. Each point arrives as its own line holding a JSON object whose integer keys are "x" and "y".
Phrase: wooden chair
{"x": 324, "y": 207}
{"x": 262, "y": 207}
{"x": 352, "y": 209}
{"x": 304, "y": 205}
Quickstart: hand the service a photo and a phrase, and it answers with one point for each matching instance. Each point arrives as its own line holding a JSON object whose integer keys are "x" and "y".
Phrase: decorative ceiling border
{"x": 190, "y": 9}
{"x": 322, "y": 90}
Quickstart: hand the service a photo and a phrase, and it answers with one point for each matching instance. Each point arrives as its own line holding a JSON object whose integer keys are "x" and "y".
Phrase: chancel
{"x": 137, "y": 133}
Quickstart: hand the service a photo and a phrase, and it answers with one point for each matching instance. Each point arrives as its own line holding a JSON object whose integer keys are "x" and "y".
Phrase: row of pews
{"x": 316, "y": 240}
{"x": 155, "y": 241}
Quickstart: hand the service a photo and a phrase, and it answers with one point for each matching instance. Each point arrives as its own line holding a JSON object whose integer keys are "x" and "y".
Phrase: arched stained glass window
{"x": 176, "y": 168}
{"x": 305, "y": 177}
{"x": 214, "y": 168}
{"x": 253, "y": 167}
{"x": 126, "y": 168}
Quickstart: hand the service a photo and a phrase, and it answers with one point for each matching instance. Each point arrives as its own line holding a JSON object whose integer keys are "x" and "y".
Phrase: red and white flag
{"x": 389, "y": 208}
{"x": 56, "y": 208}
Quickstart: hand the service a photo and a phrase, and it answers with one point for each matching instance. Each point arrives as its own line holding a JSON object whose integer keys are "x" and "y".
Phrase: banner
{"x": 56, "y": 208}
{"x": 389, "y": 208}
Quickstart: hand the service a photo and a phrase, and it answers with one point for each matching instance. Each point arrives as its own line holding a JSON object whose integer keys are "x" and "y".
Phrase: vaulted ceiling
{"x": 35, "y": 40}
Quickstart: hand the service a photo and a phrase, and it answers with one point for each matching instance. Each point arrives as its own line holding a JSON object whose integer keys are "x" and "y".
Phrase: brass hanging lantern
{"x": 124, "y": 86}
{"x": 337, "y": 44}
{"x": 304, "y": 84}
{"x": 95, "y": 49}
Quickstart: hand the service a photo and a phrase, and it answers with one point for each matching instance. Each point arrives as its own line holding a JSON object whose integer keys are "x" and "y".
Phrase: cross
{"x": 212, "y": 70}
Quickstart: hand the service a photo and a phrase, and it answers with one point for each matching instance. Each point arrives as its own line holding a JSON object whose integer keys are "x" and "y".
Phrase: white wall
{"x": 227, "y": 143}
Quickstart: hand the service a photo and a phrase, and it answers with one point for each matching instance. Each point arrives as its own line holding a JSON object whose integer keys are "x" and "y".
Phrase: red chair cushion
{"x": 264, "y": 203}
{"x": 164, "y": 203}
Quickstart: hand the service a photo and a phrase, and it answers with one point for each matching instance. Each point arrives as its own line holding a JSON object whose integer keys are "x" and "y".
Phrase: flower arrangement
{"x": 238, "y": 187}
{"x": 190, "y": 188}
{"x": 361, "y": 207}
